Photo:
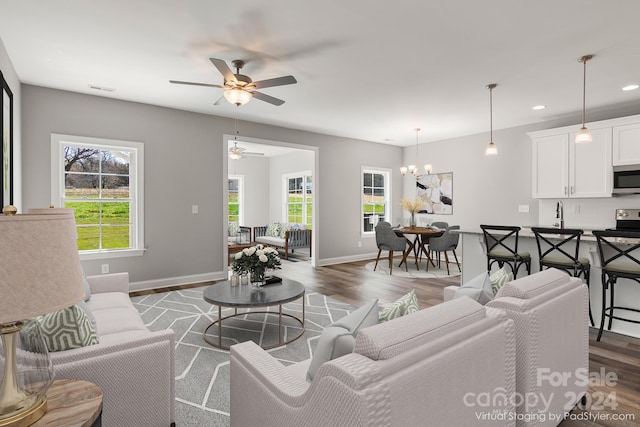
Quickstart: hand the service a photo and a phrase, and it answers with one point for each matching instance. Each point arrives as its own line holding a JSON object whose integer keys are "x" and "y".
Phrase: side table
{"x": 72, "y": 403}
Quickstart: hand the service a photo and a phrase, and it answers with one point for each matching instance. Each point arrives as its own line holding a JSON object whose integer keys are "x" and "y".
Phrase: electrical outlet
{"x": 523, "y": 208}
{"x": 194, "y": 209}
{"x": 105, "y": 268}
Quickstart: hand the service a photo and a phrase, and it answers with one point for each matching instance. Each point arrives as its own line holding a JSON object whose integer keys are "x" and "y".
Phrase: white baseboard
{"x": 176, "y": 281}
{"x": 350, "y": 258}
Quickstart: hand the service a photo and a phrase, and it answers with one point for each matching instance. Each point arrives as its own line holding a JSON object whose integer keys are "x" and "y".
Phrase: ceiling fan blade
{"x": 268, "y": 98}
{"x": 224, "y": 69}
{"x": 251, "y": 153}
{"x": 278, "y": 81}
{"x": 178, "y": 82}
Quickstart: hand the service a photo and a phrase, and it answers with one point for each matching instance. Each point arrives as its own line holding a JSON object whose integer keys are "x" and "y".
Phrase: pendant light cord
{"x": 584, "y": 89}
{"x": 490, "y": 114}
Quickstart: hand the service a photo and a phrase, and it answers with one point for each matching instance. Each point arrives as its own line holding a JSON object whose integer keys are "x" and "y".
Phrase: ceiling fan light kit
{"x": 584, "y": 135}
{"x": 239, "y": 88}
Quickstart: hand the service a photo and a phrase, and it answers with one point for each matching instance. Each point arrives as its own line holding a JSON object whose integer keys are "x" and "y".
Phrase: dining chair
{"x": 559, "y": 248}
{"x": 447, "y": 242}
{"x": 443, "y": 225}
{"x": 388, "y": 240}
{"x": 619, "y": 253}
{"x": 501, "y": 242}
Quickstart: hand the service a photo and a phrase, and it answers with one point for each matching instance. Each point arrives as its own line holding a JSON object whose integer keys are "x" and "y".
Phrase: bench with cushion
{"x": 284, "y": 235}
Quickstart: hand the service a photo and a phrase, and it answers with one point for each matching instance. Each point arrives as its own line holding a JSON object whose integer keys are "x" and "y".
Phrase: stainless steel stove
{"x": 627, "y": 220}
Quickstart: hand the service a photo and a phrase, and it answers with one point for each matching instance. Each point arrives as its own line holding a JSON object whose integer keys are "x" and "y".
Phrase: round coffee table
{"x": 246, "y": 296}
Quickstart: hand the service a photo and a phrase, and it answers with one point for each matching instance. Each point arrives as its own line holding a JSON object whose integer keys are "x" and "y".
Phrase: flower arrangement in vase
{"x": 256, "y": 260}
{"x": 412, "y": 206}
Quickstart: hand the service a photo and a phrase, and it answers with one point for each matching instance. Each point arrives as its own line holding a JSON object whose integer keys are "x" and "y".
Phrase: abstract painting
{"x": 436, "y": 192}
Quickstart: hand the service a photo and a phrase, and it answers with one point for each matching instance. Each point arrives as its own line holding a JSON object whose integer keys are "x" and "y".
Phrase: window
{"x": 298, "y": 198}
{"x": 375, "y": 198}
{"x": 102, "y": 181}
{"x": 235, "y": 199}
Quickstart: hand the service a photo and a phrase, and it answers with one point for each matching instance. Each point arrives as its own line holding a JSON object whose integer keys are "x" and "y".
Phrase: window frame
{"x": 285, "y": 196}
{"x": 240, "y": 179}
{"x": 387, "y": 197}
{"x": 136, "y": 187}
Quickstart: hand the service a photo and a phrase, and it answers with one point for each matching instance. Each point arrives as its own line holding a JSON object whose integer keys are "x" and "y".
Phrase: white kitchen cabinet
{"x": 564, "y": 169}
{"x": 626, "y": 144}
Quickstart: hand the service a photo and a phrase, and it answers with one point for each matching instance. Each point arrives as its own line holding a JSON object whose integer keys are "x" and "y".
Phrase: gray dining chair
{"x": 437, "y": 224}
{"x": 388, "y": 240}
{"x": 445, "y": 243}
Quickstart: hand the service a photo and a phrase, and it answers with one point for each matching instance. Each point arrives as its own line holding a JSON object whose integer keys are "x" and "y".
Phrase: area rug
{"x": 433, "y": 273}
{"x": 202, "y": 371}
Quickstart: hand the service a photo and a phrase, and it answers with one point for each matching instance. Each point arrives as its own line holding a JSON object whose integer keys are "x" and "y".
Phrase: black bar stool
{"x": 558, "y": 248}
{"x": 503, "y": 250}
{"x": 619, "y": 258}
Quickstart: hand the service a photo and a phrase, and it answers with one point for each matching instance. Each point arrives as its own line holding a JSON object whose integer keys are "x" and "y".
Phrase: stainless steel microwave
{"x": 626, "y": 179}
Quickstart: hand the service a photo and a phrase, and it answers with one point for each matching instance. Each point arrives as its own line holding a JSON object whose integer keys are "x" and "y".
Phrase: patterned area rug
{"x": 202, "y": 371}
{"x": 433, "y": 273}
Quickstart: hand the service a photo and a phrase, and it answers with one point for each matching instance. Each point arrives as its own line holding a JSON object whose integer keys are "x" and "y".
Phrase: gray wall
{"x": 256, "y": 188}
{"x": 9, "y": 74}
{"x": 184, "y": 158}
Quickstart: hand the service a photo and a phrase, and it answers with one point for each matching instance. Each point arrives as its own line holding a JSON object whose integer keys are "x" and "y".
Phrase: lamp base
{"x": 28, "y": 417}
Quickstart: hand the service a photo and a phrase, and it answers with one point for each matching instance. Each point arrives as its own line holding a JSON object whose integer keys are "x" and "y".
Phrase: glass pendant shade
{"x": 237, "y": 96}
{"x": 403, "y": 170}
{"x": 491, "y": 150}
{"x": 583, "y": 135}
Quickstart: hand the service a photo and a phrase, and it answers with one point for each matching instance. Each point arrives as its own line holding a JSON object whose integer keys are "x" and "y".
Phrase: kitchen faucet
{"x": 559, "y": 215}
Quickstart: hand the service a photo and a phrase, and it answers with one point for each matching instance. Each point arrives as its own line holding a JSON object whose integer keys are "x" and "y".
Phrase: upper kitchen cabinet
{"x": 564, "y": 169}
{"x": 626, "y": 144}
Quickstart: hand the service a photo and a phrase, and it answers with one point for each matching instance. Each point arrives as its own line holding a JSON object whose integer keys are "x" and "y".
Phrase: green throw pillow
{"x": 283, "y": 230}
{"x": 499, "y": 279}
{"x": 273, "y": 230}
{"x": 67, "y": 328}
{"x": 404, "y": 305}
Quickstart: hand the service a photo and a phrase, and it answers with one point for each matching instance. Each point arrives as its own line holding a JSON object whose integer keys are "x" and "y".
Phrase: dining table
{"x": 418, "y": 238}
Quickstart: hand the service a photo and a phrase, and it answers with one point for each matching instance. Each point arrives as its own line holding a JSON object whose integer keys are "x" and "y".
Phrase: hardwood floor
{"x": 616, "y": 355}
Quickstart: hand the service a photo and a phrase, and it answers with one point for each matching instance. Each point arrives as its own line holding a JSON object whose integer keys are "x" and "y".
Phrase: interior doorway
{"x": 271, "y": 181}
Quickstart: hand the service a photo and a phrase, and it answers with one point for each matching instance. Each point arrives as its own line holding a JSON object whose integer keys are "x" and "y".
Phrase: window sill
{"x": 122, "y": 253}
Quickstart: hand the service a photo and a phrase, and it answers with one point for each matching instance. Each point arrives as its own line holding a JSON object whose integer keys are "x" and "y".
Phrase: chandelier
{"x": 413, "y": 169}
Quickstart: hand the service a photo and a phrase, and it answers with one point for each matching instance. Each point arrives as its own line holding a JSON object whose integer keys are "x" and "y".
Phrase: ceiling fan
{"x": 239, "y": 87}
{"x": 236, "y": 153}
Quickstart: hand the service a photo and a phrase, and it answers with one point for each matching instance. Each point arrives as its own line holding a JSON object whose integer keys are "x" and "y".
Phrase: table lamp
{"x": 39, "y": 273}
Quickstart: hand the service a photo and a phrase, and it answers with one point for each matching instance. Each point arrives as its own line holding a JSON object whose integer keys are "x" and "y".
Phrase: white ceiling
{"x": 366, "y": 70}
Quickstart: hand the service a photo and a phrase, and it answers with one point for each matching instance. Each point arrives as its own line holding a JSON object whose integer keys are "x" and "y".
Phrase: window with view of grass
{"x": 298, "y": 194}
{"x": 100, "y": 180}
{"x": 375, "y": 198}
{"x": 234, "y": 199}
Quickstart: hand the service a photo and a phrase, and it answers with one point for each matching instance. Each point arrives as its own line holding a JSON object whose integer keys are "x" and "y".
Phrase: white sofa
{"x": 425, "y": 368}
{"x": 133, "y": 366}
{"x": 551, "y": 314}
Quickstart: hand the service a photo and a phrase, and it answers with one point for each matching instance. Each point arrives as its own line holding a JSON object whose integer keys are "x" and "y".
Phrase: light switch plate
{"x": 194, "y": 209}
{"x": 523, "y": 208}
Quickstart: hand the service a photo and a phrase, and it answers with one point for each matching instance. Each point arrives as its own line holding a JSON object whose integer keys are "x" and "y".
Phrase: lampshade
{"x": 237, "y": 96}
{"x": 491, "y": 149}
{"x": 583, "y": 135}
{"x": 40, "y": 268}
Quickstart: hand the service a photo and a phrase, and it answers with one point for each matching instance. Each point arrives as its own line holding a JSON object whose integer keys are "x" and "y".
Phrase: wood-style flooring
{"x": 616, "y": 355}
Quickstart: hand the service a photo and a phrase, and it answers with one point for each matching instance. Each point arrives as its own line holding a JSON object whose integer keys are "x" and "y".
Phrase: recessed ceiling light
{"x": 630, "y": 87}
{"x": 106, "y": 89}
{"x": 539, "y": 107}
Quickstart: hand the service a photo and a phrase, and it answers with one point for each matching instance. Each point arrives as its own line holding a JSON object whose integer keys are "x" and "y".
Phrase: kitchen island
{"x": 474, "y": 262}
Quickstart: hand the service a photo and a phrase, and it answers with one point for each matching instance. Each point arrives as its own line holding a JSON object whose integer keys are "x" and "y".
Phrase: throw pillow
{"x": 87, "y": 287}
{"x": 478, "y": 289}
{"x": 404, "y": 305}
{"x": 67, "y": 329}
{"x": 273, "y": 230}
{"x": 283, "y": 230}
{"x": 338, "y": 338}
{"x": 499, "y": 279}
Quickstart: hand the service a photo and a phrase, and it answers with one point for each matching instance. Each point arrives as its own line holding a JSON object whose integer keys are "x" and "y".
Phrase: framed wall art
{"x": 436, "y": 192}
{"x": 6, "y": 118}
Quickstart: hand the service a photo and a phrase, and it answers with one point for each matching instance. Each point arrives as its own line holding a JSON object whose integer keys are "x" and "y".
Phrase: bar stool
{"x": 503, "y": 250}
{"x": 619, "y": 259}
{"x": 558, "y": 248}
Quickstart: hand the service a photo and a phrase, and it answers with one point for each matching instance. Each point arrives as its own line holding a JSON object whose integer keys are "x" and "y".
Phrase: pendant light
{"x": 492, "y": 149}
{"x": 584, "y": 135}
{"x": 413, "y": 169}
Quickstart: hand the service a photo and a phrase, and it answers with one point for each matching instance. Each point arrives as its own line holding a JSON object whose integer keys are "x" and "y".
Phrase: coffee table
{"x": 223, "y": 294}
